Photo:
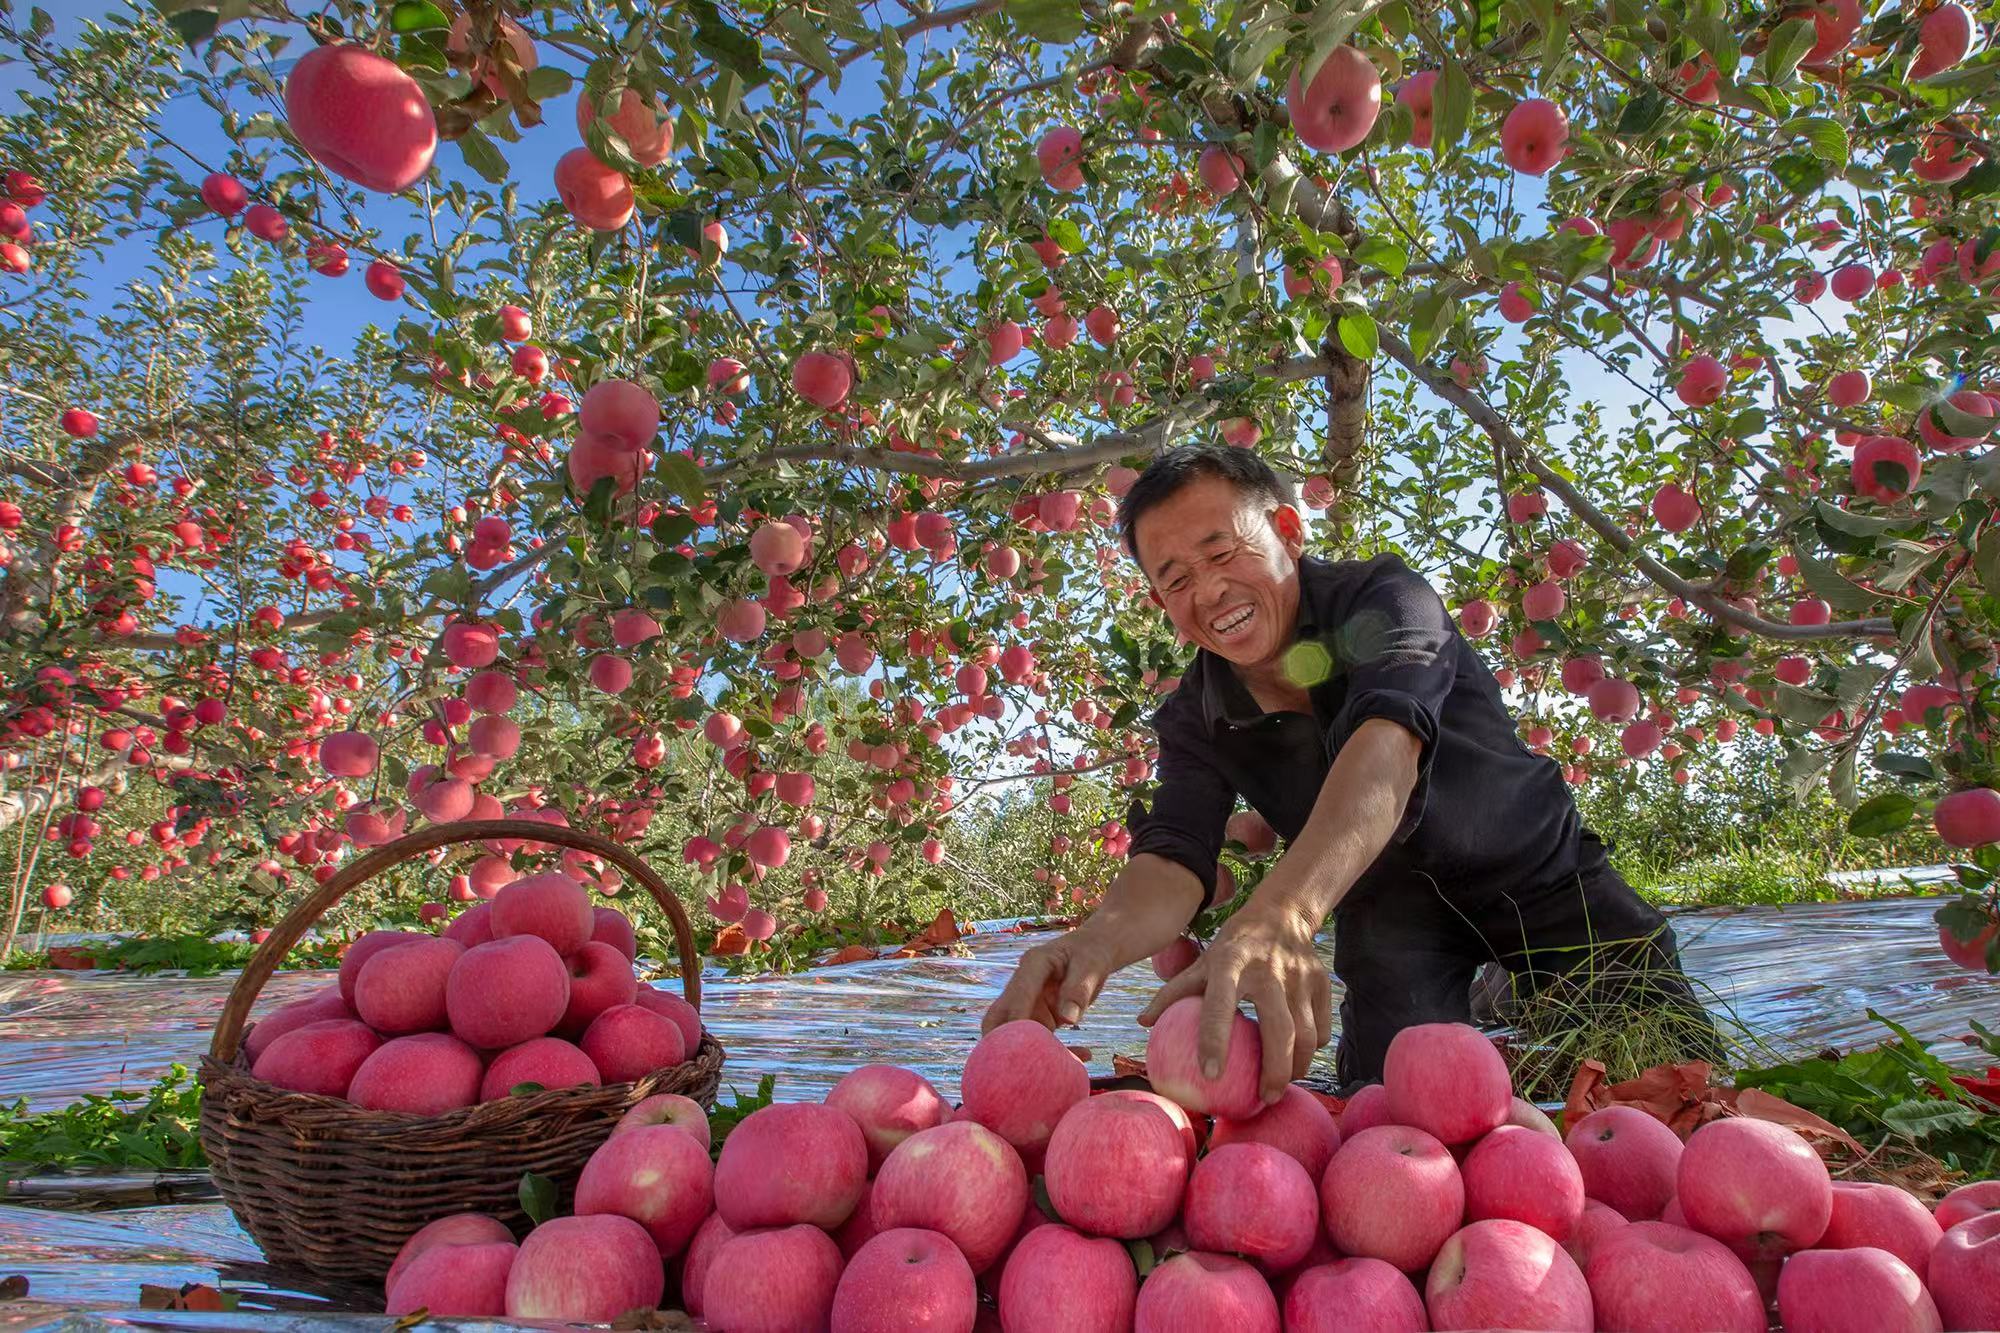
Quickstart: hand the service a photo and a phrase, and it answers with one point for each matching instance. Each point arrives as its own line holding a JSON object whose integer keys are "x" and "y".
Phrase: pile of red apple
{"x": 534, "y": 987}
{"x": 1437, "y": 1199}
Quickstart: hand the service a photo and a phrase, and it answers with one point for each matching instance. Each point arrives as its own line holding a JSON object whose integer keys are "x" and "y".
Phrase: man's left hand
{"x": 1265, "y": 955}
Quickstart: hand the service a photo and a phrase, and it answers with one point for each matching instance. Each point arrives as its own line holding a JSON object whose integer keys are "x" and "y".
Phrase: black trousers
{"x": 1407, "y": 954}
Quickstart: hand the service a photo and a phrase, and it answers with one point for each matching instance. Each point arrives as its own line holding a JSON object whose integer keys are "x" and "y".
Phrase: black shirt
{"x": 1486, "y": 812}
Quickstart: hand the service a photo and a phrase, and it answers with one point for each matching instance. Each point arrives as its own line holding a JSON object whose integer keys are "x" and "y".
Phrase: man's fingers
{"x": 1218, "y": 1014}
{"x": 1018, "y": 999}
{"x": 1305, "y": 1036}
{"x": 1189, "y": 981}
{"x": 1322, "y": 1000}
{"x": 1081, "y": 982}
{"x": 1275, "y": 1027}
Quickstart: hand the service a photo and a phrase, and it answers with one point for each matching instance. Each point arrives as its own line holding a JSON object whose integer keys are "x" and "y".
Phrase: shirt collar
{"x": 1224, "y": 696}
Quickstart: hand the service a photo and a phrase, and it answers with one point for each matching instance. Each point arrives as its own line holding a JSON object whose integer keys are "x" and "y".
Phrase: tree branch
{"x": 1487, "y": 419}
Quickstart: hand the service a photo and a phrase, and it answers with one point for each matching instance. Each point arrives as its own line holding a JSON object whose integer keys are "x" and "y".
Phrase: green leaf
{"x": 417, "y": 16}
{"x": 1986, "y": 560}
{"x": 1051, "y": 22}
{"x": 195, "y": 26}
{"x": 1824, "y": 581}
{"x": 1881, "y": 815}
{"x": 1383, "y": 253}
{"x": 482, "y": 156}
{"x": 538, "y": 1197}
{"x": 1828, "y": 139}
{"x": 1357, "y": 334}
{"x": 1641, "y": 114}
{"x": 1451, "y": 107}
{"x": 1922, "y": 1117}
{"x": 1788, "y": 46}
{"x": 737, "y": 50}
{"x": 546, "y": 81}
{"x": 1067, "y": 234}
{"x": 682, "y": 477}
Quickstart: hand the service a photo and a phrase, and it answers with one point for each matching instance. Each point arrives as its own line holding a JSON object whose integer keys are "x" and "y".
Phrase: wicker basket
{"x": 328, "y": 1188}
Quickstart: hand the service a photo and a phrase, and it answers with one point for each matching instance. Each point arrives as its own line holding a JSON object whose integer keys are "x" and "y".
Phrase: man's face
{"x": 1225, "y": 568}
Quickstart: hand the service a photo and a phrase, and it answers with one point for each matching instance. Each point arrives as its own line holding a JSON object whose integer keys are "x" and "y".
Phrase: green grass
{"x": 1742, "y": 872}
{"x": 153, "y": 1129}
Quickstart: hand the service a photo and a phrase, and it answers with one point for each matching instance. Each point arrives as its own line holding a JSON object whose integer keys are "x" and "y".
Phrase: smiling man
{"x": 1338, "y": 699}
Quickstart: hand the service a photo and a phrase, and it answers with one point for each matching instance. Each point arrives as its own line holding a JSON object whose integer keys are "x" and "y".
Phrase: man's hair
{"x": 1179, "y": 467}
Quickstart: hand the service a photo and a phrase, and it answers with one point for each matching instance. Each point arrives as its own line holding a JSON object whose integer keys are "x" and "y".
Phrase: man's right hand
{"x": 1055, "y": 982}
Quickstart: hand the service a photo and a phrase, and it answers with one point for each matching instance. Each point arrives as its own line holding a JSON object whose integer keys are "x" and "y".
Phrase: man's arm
{"x": 1146, "y": 908}
{"x": 1265, "y": 951}
{"x": 1358, "y": 809}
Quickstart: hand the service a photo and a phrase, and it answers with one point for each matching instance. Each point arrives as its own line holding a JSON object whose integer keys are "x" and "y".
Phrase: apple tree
{"x": 730, "y": 465}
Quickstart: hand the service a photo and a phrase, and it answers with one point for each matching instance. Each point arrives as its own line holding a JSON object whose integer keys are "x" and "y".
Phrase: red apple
{"x": 1757, "y": 1187}
{"x": 1334, "y": 106}
{"x": 402, "y": 990}
{"x": 1060, "y": 1281}
{"x": 1882, "y": 1216}
{"x": 425, "y": 1074}
{"x": 585, "y": 1270}
{"x": 550, "y": 1062}
{"x": 357, "y": 954}
{"x": 685, "y": 1016}
{"x": 1533, "y": 136}
{"x": 611, "y": 926}
{"x": 1354, "y": 1296}
{"x": 1964, "y": 1274}
{"x": 1979, "y": 1199}
{"x": 599, "y": 978}
{"x": 451, "y": 1229}
{"x": 1598, "y": 1222}
{"x": 1863, "y": 1290}
{"x": 1628, "y": 1159}
{"x": 1506, "y": 1274}
{"x": 319, "y": 1007}
{"x": 1116, "y": 1167}
{"x": 1447, "y": 1080}
{"x": 1529, "y": 1177}
{"x": 1019, "y": 1080}
{"x": 506, "y": 992}
{"x": 890, "y": 1104}
{"x": 361, "y": 116}
{"x": 1173, "y": 1063}
{"x": 789, "y": 1163}
{"x": 658, "y": 1176}
{"x": 1298, "y": 1124}
{"x": 597, "y": 196}
{"x": 1392, "y": 1193}
{"x": 318, "y": 1057}
{"x": 1366, "y": 1109}
{"x": 466, "y": 1281}
{"x": 1205, "y": 1291}
{"x": 627, "y": 1042}
{"x": 709, "y": 1239}
{"x": 1253, "y": 1200}
{"x": 772, "y": 1280}
{"x": 961, "y": 1179}
{"x": 667, "y": 1108}
{"x": 1651, "y": 1277}
{"x": 552, "y": 906}
{"x": 906, "y": 1281}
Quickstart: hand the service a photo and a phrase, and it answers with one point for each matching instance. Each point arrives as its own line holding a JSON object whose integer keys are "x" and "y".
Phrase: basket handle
{"x": 236, "y": 1010}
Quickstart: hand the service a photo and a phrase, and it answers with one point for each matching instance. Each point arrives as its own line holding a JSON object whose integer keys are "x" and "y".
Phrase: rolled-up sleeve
{"x": 1399, "y": 652}
{"x": 1191, "y": 798}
